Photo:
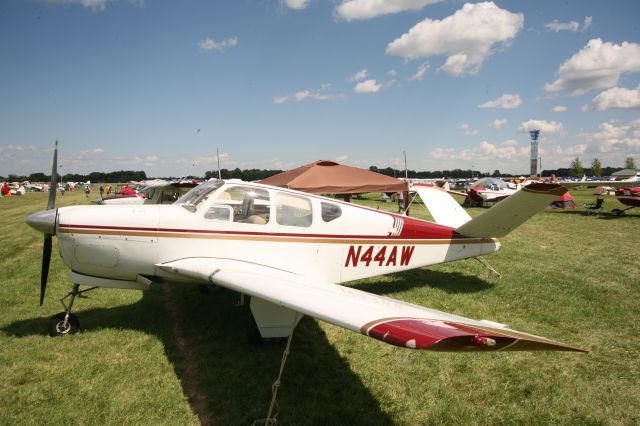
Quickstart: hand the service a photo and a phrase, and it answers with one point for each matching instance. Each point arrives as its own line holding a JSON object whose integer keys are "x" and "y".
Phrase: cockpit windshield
{"x": 191, "y": 199}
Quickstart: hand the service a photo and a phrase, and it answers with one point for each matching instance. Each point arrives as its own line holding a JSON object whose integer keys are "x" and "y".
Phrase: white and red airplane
{"x": 627, "y": 191}
{"x": 289, "y": 251}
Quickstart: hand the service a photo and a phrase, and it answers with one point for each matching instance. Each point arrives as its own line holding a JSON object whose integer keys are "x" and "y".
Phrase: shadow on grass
{"x": 449, "y": 282}
{"x": 225, "y": 379}
{"x": 607, "y": 215}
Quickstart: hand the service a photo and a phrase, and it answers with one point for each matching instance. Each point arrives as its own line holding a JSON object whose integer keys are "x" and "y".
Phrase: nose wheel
{"x": 65, "y": 322}
{"x": 60, "y": 324}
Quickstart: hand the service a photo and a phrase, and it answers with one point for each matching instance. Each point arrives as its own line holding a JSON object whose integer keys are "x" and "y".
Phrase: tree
{"x": 496, "y": 173}
{"x": 596, "y": 167}
{"x": 629, "y": 163}
{"x": 576, "y": 168}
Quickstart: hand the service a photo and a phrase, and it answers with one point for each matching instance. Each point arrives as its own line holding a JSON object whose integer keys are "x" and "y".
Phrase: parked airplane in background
{"x": 289, "y": 250}
{"x": 627, "y": 190}
{"x": 151, "y": 192}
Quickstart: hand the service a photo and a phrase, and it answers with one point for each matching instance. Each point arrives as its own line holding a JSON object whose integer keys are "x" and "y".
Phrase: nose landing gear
{"x": 65, "y": 322}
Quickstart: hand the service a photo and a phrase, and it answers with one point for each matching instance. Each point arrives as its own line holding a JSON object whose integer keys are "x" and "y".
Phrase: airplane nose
{"x": 43, "y": 221}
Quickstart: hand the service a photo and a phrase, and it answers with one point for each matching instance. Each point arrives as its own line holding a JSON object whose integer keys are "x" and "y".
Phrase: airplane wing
{"x": 389, "y": 320}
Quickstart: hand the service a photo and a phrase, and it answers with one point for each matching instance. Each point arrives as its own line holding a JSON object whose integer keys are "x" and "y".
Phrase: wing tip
{"x": 545, "y": 188}
{"x": 446, "y": 336}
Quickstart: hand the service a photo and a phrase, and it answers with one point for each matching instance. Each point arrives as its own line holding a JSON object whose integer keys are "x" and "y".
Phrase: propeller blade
{"x": 51, "y": 203}
{"x": 54, "y": 180}
{"x": 46, "y": 260}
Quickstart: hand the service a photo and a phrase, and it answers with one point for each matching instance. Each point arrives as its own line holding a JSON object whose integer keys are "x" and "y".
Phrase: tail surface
{"x": 444, "y": 209}
{"x": 511, "y": 212}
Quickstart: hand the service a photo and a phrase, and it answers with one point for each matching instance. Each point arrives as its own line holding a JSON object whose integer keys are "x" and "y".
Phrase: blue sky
{"x": 159, "y": 85}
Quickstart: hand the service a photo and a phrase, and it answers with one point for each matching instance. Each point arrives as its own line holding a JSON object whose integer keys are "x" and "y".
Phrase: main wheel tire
{"x": 56, "y": 325}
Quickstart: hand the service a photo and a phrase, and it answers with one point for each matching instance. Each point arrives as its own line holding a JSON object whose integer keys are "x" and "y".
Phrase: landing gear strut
{"x": 65, "y": 322}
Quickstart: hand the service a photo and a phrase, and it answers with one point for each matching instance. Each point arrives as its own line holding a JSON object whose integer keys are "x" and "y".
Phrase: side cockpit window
{"x": 192, "y": 199}
{"x": 245, "y": 204}
{"x": 330, "y": 211}
{"x": 293, "y": 210}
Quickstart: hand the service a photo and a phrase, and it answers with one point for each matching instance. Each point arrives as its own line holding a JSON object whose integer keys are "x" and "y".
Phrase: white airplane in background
{"x": 289, "y": 251}
{"x": 152, "y": 192}
{"x": 627, "y": 190}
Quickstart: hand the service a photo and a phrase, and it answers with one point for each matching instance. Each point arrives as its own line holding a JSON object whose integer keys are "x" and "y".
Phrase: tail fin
{"x": 511, "y": 212}
{"x": 442, "y": 206}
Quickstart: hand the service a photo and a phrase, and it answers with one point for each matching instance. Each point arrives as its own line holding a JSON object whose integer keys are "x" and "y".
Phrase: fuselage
{"x": 629, "y": 196}
{"x": 289, "y": 230}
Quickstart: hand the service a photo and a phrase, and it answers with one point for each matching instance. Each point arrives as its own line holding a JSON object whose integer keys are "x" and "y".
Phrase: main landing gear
{"x": 65, "y": 322}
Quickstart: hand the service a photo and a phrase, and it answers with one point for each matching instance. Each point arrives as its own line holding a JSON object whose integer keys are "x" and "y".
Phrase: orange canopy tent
{"x": 328, "y": 177}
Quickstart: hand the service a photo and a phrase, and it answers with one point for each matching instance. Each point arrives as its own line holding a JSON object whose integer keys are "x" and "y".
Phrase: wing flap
{"x": 389, "y": 320}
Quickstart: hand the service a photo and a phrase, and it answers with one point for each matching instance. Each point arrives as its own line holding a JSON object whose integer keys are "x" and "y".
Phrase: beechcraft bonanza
{"x": 289, "y": 251}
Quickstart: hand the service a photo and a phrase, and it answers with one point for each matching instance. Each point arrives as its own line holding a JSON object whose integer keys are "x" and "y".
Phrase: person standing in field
{"x": 101, "y": 191}
{"x": 87, "y": 191}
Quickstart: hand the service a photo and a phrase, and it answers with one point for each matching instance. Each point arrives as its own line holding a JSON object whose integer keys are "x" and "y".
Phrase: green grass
{"x": 174, "y": 356}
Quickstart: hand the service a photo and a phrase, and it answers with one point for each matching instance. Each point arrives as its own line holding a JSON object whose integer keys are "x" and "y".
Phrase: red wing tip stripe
{"x": 449, "y": 336}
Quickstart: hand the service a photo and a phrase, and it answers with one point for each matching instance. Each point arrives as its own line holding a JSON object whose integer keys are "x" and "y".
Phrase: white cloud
{"x": 467, "y": 37}
{"x": 468, "y": 130}
{"x": 367, "y": 86}
{"x": 341, "y": 158}
{"x": 360, "y": 75}
{"x": 209, "y": 44}
{"x": 392, "y": 73}
{"x": 420, "y": 72}
{"x": 597, "y": 66}
{"x": 559, "y": 108}
{"x": 612, "y": 137}
{"x": 506, "y": 101}
{"x": 296, "y": 4}
{"x": 322, "y": 94}
{"x": 485, "y": 156}
{"x": 557, "y": 26}
{"x": 95, "y": 5}
{"x": 588, "y": 20}
{"x": 616, "y": 98}
{"x": 367, "y": 9}
{"x": 544, "y": 126}
{"x": 498, "y": 123}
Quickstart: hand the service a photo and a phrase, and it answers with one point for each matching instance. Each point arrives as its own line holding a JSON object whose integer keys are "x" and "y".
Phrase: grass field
{"x": 174, "y": 356}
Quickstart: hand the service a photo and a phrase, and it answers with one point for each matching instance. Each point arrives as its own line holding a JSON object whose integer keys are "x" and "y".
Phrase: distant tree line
{"x": 454, "y": 174}
{"x": 121, "y": 176}
{"x": 247, "y": 175}
{"x": 576, "y": 169}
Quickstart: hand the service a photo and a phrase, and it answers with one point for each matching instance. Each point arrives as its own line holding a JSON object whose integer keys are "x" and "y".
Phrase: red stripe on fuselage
{"x": 410, "y": 231}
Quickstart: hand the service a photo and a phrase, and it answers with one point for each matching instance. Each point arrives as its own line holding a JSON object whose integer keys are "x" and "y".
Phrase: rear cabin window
{"x": 330, "y": 211}
{"x": 249, "y": 205}
{"x": 293, "y": 210}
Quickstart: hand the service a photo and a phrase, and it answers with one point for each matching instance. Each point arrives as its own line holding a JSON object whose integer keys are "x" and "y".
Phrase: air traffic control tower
{"x": 534, "y": 152}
